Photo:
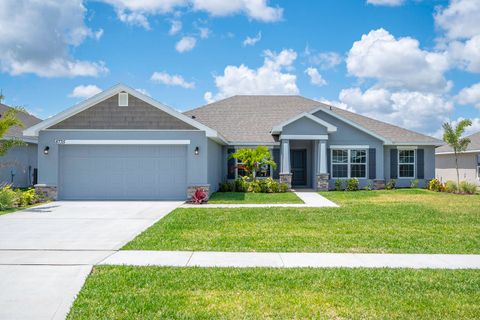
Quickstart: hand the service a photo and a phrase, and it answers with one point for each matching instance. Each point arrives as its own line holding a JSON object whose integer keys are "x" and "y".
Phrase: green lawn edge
{"x": 254, "y": 198}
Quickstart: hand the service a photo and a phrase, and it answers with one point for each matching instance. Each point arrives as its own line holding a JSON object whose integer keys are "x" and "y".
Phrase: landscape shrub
{"x": 451, "y": 186}
{"x": 338, "y": 185}
{"x": 369, "y": 185}
{"x": 240, "y": 185}
{"x": 436, "y": 185}
{"x": 414, "y": 183}
{"x": 352, "y": 184}
{"x": 8, "y": 198}
{"x": 391, "y": 184}
{"x": 243, "y": 184}
{"x": 467, "y": 187}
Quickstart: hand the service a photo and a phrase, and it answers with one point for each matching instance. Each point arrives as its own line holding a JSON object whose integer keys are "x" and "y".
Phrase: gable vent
{"x": 123, "y": 99}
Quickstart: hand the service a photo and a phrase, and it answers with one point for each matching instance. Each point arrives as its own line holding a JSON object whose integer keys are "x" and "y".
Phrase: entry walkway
{"x": 311, "y": 199}
{"x": 292, "y": 260}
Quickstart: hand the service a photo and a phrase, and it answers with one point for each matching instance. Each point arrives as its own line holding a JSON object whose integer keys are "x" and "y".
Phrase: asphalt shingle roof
{"x": 474, "y": 144}
{"x": 27, "y": 119}
{"x": 250, "y": 118}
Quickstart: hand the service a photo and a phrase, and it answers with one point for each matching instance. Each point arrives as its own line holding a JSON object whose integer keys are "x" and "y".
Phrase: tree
{"x": 453, "y": 136}
{"x": 254, "y": 159}
{"x": 7, "y": 120}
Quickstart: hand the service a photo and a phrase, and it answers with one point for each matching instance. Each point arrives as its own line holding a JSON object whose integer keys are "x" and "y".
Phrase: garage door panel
{"x": 122, "y": 172}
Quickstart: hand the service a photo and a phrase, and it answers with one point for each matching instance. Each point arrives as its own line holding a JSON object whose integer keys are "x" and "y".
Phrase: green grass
{"x": 120, "y": 292}
{"x": 243, "y": 198}
{"x": 400, "y": 221}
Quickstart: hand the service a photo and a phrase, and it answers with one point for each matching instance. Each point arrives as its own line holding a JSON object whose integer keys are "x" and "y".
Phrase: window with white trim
{"x": 349, "y": 163}
{"x": 406, "y": 163}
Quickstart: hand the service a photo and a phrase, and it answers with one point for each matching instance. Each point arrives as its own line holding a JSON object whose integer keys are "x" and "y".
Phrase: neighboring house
{"x": 19, "y": 166}
{"x": 121, "y": 144}
{"x": 468, "y": 162}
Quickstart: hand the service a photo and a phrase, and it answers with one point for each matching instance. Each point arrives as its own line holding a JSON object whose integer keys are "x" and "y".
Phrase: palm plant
{"x": 253, "y": 160}
{"x": 453, "y": 137}
{"x": 7, "y": 120}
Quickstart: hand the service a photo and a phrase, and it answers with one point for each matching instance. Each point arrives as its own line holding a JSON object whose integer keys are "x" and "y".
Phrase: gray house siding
{"x": 429, "y": 166}
{"x": 348, "y": 135}
{"x": 49, "y": 164}
{"x": 21, "y": 161}
{"x": 304, "y": 126}
{"x": 215, "y": 165}
{"x": 108, "y": 115}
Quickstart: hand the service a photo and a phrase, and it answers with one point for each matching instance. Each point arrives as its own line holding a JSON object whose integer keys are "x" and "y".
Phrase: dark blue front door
{"x": 298, "y": 164}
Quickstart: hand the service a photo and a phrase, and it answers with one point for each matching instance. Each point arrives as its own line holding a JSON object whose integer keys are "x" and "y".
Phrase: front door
{"x": 298, "y": 165}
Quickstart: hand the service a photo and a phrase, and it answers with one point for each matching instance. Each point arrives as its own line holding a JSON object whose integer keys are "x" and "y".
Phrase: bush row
{"x": 267, "y": 185}
{"x": 452, "y": 187}
{"x": 15, "y": 198}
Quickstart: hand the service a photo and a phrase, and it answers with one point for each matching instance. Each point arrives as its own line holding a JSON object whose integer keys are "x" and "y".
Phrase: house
{"x": 468, "y": 162}
{"x": 122, "y": 144}
{"x": 19, "y": 166}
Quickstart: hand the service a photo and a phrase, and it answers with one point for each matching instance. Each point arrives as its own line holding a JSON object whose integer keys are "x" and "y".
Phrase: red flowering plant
{"x": 200, "y": 196}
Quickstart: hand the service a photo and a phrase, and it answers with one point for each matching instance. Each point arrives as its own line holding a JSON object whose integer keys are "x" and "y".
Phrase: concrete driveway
{"x": 46, "y": 252}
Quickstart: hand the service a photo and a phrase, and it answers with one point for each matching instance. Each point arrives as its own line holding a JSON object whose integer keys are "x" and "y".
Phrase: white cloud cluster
{"x": 175, "y": 27}
{"x": 136, "y": 12}
{"x": 36, "y": 37}
{"x": 186, "y": 44}
{"x": 270, "y": 78}
{"x": 470, "y": 96}
{"x": 251, "y": 41}
{"x": 171, "y": 80}
{"x": 397, "y": 63}
{"x": 315, "y": 77}
{"x": 474, "y": 128}
{"x": 409, "y": 109}
{"x": 390, "y": 3}
{"x": 461, "y": 25}
{"x": 84, "y": 91}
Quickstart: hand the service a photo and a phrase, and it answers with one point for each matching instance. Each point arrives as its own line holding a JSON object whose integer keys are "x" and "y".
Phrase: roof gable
{"x": 304, "y": 116}
{"x": 27, "y": 119}
{"x": 113, "y": 92}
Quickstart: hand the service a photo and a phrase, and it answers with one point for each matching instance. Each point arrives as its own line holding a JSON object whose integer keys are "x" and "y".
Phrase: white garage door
{"x": 128, "y": 172}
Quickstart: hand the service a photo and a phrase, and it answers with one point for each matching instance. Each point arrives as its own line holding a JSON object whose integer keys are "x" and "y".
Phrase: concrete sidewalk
{"x": 311, "y": 199}
{"x": 293, "y": 260}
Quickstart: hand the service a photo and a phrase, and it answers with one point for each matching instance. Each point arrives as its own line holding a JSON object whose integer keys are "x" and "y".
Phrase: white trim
{"x": 124, "y": 130}
{"x": 414, "y": 149}
{"x": 451, "y": 152}
{"x": 437, "y": 144}
{"x": 407, "y": 148}
{"x": 330, "y": 127}
{"x": 303, "y": 137}
{"x": 239, "y": 143}
{"x": 123, "y": 142}
{"x": 350, "y": 147}
{"x": 478, "y": 172}
{"x": 34, "y": 130}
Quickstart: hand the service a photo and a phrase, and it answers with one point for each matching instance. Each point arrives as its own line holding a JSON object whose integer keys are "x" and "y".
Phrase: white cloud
{"x": 175, "y": 27}
{"x": 409, "y": 109}
{"x": 397, "y": 63}
{"x": 37, "y": 37}
{"x": 254, "y": 9}
{"x": 172, "y": 80}
{"x": 270, "y": 78}
{"x": 315, "y": 77}
{"x": 185, "y": 44}
{"x": 459, "y": 19}
{"x": 390, "y": 3}
{"x": 474, "y": 128}
{"x": 326, "y": 60}
{"x": 470, "y": 96}
{"x": 136, "y": 12}
{"x": 85, "y": 91}
{"x": 204, "y": 32}
{"x": 251, "y": 41}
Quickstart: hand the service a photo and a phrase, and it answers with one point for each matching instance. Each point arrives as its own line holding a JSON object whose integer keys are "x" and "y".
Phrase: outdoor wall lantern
{"x": 197, "y": 151}
{"x": 45, "y": 151}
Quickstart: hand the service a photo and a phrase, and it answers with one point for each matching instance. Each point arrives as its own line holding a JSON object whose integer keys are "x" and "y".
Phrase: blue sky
{"x": 411, "y": 63}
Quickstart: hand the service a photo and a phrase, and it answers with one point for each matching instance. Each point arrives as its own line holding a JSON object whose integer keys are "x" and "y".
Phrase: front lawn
{"x": 400, "y": 221}
{"x": 244, "y": 198}
{"x": 120, "y": 292}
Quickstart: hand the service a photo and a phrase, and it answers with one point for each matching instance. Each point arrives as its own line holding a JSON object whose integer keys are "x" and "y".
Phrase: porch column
{"x": 285, "y": 171}
{"x": 322, "y": 173}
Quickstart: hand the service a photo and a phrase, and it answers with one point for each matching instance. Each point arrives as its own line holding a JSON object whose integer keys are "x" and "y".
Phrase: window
{"x": 348, "y": 163}
{"x": 265, "y": 171}
{"x": 406, "y": 163}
